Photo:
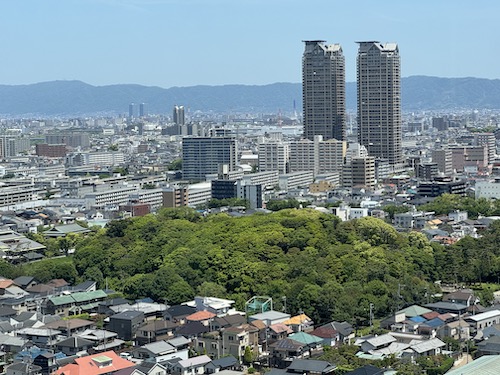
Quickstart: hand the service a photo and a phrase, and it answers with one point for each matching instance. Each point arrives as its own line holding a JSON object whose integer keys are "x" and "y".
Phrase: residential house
{"x": 106, "y": 307}
{"x": 70, "y": 327}
{"x": 191, "y": 366}
{"x": 463, "y": 297}
{"x": 21, "y": 368}
{"x": 278, "y": 331}
{"x": 192, "y": 330}
{"x": 457, "y": 330}
{"x": 25, "y": 281}
{"x": 490, "y": 346}
{"x": 103, "y": 340}
{"x": 236, "y": 339}
{"x": 300, "y": 323}
{"x": 178, "y": 313}
{"x": 204, "y": 317}
{"x": 126, "y": 324}
{"x": 224, "y": 363}
{"x": 149, "y": 368}
{"x": 74, "y": 345}
{"x": 156, "y": 330}
{"x": 311, "y": 341}
{"x": 284, "y": 351}
{"x": 311, "y": 367}
{"x": 73, "y": 303}
{"x": 158, "y": 351}
{"x": 228, "y": 321}
{"x": 430, "y": 327}
{"x": 270, "y": 317}
{"x": 46, "y": 361}
{"x": 443, "y": 307}
{"x": 371, "y": 343}
{"x": 41, "y": 337}
{"x": 425, "y": 348}
{"x": 102, "y": 363}
{"x": 334, "y": 333}
{"x": 218, "y": 306}
{"x": 152, "y": 310}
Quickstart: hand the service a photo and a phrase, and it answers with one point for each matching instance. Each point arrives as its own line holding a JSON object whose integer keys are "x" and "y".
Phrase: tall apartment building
{"x": 489, "y": 140}
{"x": 203, "y": 155}
{"x": 470, "y": 158}
{"x": 178, "y": 116}
{"x": 304, "y": 155}
{"x": 443, "y": 159}
{"x": 360, "y": 172}
{"x": 75, "y": 139}
{"x": 142, "y": 109}
{"x": 12, "y": 144}
{"x": 318, "y": 156}
{"x": 379, "y": 100}
{"x": 323, "y": 90}
{"x": 274, "y": 156}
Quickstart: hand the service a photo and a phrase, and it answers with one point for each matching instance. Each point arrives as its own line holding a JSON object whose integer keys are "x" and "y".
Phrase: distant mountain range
{"x": 75, "y": 98}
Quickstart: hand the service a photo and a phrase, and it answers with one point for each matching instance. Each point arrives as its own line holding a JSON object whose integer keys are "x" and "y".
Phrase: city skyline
{"x": 169, "y": 43}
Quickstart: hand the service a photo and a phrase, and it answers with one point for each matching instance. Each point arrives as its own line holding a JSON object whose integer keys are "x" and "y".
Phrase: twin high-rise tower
{"x": 323, "y": 90}
{"x": 378, "y": 95}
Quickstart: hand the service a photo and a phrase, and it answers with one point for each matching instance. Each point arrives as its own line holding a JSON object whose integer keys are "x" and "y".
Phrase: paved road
{"x": 463, "y": 360}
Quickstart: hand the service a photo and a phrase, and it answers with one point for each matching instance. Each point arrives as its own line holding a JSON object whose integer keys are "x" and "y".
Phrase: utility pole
{"x": 371, "y": 317}
{"x": 399, "y": 296}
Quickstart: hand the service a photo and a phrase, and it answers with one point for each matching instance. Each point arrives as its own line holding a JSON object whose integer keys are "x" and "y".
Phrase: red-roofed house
{"x": 204, "y": 317}
{"x": 97, "y": 364}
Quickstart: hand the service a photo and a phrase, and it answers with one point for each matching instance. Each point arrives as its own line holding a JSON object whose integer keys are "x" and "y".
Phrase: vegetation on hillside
{"x": 327, "y": 268}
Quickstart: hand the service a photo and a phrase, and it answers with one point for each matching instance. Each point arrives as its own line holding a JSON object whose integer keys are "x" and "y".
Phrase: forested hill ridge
{"x": 76, "y": 98}
{"x": 327, "y": 268}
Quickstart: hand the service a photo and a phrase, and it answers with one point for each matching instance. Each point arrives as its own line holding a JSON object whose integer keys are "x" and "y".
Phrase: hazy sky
{"x": 213, "y": 42}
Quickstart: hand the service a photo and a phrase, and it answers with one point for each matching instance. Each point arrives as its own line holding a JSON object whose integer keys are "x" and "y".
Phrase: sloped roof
{"x": 194, "y": 361}
{"x": 367, "y": 370}
{"x": 62, "y": 230}
{"x": 311, "y": 365}
{"x": 75, "y": 342}
{"x": 224, "y": 362}
{"x": 280, "y": 328}
{"x": 427, "y": 345}
{"x": 306, "y": 338}
{"x": 485, "y": 365}
{"x": 88, "y": 365}
{"x": 200, "y": 315}
{"x": 414, "y": 310}
{"x": 159, "y": 347}
{"x": 77, "y": 297}
{"x": 330, "y": 330}
{"x": 298, "y": 319}
{"x": 180, "y": 310}
{"x": 287, "y": 344}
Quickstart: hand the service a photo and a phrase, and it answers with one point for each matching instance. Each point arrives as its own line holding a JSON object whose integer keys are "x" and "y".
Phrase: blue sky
{"x": 214, "y": 42}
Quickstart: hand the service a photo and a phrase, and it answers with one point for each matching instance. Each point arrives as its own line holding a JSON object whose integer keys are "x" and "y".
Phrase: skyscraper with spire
{"x": 323, "y": 90}
{"x": 379, "y": 100}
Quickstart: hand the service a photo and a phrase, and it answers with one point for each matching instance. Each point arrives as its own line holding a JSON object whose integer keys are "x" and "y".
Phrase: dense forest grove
{"x": 327, "y": 268}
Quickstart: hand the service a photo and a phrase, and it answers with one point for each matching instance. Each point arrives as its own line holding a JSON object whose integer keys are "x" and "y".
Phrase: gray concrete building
{"x": 203, "y": 155}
